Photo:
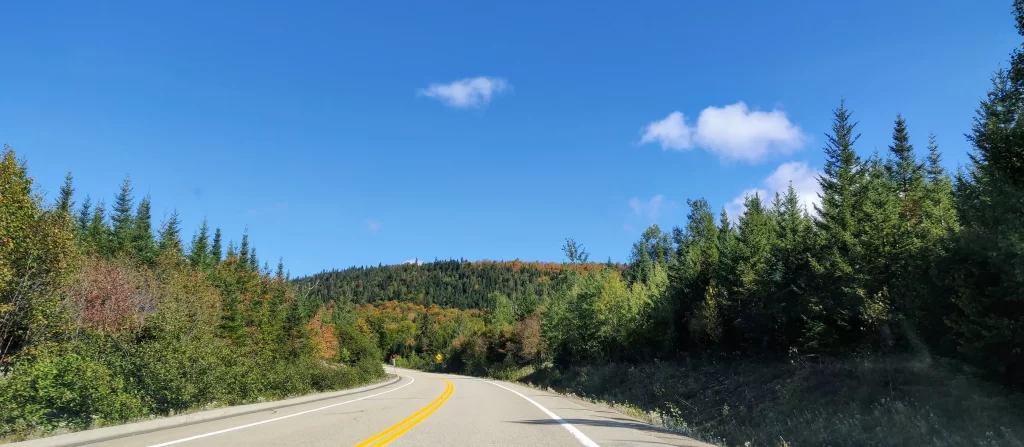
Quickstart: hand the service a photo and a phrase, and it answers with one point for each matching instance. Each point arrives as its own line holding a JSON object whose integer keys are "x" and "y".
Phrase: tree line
{"x": 106, "y": 318}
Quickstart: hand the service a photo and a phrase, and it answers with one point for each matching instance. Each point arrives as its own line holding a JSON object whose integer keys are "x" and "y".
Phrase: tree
{"x": 64, "y": 202}
{"x": 989, "y": 250}
{"x": 837, "y": 298}
{"x": 243, "y": 250}
{"x": 215, "y": 249}
{"x": 170, "y": 234}
{"x": 692, "y": 276}
{"x": 199, "y": 252}
{"x": 575, "y": 252}
{"x": 748, "y": 307}
{"x": 122, "y": 219}
{"x": 142, "y": 245}
{"x": 791, "y": 269}
{"x": 98, "y": 234}
{"x": 254, "y": 262}
{"x": 84, "y": 215}
{"x": 883, "y": 254}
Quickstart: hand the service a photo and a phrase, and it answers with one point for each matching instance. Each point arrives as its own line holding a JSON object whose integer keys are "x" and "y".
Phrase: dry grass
{"x": 880, "y": 402}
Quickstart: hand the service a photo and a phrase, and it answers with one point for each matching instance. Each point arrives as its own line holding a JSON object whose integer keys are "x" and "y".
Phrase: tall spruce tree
{"x": 791, "y": 270}
{"x": 837, "y": 297}
{"x": 98, "y": 233}
{"x": 170, "y": 234}
{"x": 122, "y": 219}
{"x": 64, "y": 202}
{"x": 696, "y": 296}
{"x": 989, "y": 253}
{"x": 216, "y": 252}
{"x": 243, "y": 249}
{"x": 84, "y": 216}
{"x": 882, "y": 249}
{"x": 748, "y": 304}
{"x": 199, "y": 252}
{"x": 142, "y": 246}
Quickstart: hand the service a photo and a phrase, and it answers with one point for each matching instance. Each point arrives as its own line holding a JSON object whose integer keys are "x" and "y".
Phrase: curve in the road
{"x": 393, "y": 432}
{"x": 576, "y": 433}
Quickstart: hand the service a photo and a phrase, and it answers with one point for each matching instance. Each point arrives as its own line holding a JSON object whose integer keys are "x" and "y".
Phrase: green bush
{"x": 65, "y": 389}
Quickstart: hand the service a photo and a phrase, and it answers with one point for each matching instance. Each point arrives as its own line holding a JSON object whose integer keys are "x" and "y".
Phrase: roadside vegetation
{"x": 105, "y": 319}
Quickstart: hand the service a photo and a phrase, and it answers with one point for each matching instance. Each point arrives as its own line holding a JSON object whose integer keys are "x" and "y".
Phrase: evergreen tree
{"x": 232, "y": 252}
{"x": 215, "y": 249}
{"x": 988, "y": 284}
{"x": 748, "y": 305}
{"x": 837, "y": 295}
{"x": 64, "y": 202}
{"x": 243, "y": 249}
{"x": 199, "y": 252}
{"x": 122, "y": 219}
{"x": 280, "y": 269}
{"x": 142, "y": 245}
{"x": 170, "y": 234}
{"x": 882, "y": 241}
{"x": 84, "y": 216}
{"x": 98, "y": 234}
{"x": 696, "y": 295}
{"x": 791, "y": 269}
{"x": 254, "y": 262}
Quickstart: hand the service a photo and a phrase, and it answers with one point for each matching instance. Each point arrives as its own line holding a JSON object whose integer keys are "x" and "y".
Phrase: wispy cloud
{"x": 416, "y": 261}
{"x": 372, "y": 224}
{"x": 649, "y": 209}
{"x": 733, "y": 132}
{"x": 804, "y": 180}
{"x": 467, "y": 93}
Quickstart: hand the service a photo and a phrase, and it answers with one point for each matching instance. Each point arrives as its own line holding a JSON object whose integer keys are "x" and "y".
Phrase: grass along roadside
{"x": 894, "y": 401}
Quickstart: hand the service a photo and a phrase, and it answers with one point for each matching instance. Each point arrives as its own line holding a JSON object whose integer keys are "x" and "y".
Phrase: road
{"x": 423, "y": 410}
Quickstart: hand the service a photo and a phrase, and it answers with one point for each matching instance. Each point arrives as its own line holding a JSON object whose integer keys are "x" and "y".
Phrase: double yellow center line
{"x": 391, "y": 433}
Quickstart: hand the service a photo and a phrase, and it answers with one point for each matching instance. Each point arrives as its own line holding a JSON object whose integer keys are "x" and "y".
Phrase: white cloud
{"x": 733, "y": 132}
{"x": 805, "y": 184}
{"x": 416, "y": 261}
{"x": 671, "y": 132}
{"x": 649, "y": 209}
{"x": 466, "y": 93}
{"x": 372, "y": 224}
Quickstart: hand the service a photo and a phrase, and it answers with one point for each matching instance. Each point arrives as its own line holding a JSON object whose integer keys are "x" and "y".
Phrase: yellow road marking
{"x": 394, "y": 431}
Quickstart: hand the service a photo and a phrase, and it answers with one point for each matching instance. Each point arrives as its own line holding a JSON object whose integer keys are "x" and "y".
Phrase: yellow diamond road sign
{"x": 438, "y": 357}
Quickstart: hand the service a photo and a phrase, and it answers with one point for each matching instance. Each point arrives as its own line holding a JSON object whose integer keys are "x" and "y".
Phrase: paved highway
{"x": 422, "y": 410}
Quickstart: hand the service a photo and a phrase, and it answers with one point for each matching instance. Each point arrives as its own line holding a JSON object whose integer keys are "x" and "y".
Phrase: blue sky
{"x": 340, "y": 134}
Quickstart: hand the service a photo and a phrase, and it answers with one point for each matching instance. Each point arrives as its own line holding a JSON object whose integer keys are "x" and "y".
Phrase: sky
{"x": 361, "y": 133}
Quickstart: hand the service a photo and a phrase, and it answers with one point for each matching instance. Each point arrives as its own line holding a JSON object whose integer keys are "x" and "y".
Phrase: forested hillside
{"x": 453, "y": 283}
{"x": 106, "y": 317}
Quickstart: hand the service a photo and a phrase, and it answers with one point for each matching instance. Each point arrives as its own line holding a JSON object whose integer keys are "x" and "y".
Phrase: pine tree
{"x": 881, "y": 238}
{"x": 232, "y": 252}
{"x": 215, "y": 249}
{"x": 98, "y": 234}
{"x": 791, "y": 270}
{"x": 280, "y": 269}
{"x": 243, "y": 249}
{"x": 142, "y": 246}
{"x": 837, "y": 295}
{"x": 254, "y": 262}
{"x": 987, "y": 281}
{"x": 122, "y": 219}
{"x": 748, "y": 307}
{"x": 199, "y": 252}
{"x": 64, "y": 202}
{"x": 170, "y": 235}
{"x": 692, "y": 275}
{"x": 84, "y": 216}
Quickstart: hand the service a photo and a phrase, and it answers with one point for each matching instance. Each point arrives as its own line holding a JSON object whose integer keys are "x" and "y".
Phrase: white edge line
{"x": 212, "y": 433}
{"x": 582, "y": 438}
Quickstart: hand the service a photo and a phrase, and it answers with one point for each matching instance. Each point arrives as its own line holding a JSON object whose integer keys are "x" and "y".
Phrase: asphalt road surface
{"x": 423, "y": 410}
